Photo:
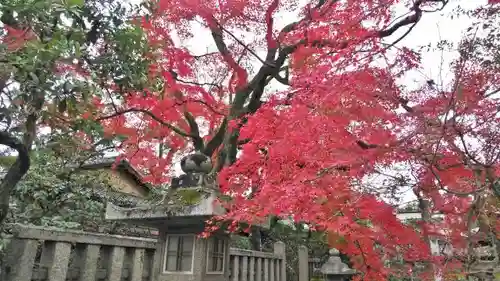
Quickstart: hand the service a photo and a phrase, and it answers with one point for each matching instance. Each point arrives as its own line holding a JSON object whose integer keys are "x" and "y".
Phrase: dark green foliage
{"x": 96, "y": 38}
{"x": 53, "y": 194}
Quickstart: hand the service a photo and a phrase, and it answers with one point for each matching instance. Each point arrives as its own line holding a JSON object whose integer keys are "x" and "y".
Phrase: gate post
{"x": 303, "y": 263}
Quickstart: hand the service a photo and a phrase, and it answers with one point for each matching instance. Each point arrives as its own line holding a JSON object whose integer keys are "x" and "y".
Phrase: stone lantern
{"x": 334, "y": 269}
{"x": 181, "y": 254}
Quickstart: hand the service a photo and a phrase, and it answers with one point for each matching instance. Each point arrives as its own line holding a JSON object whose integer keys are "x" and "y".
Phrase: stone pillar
{"x": 303, "y": 255}
{"x": 279, "y": 249}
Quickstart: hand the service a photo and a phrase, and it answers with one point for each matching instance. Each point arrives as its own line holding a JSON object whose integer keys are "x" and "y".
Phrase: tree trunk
{"x": 424, "y": 207}
{"x": 255, "y": 239}
{"x": 14, "y": 174}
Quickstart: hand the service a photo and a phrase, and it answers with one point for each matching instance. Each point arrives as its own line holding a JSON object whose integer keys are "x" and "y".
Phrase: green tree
{"x": 56, "y": 193}
{"x": 44, "y": 47}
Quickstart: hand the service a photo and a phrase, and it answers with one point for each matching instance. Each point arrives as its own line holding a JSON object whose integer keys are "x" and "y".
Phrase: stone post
{"x": 279, "y": 249}
{"x": 303, "y": 257}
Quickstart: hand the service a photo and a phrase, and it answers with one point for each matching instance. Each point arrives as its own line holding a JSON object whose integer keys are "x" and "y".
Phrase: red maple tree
{"x": 303, "y": 152}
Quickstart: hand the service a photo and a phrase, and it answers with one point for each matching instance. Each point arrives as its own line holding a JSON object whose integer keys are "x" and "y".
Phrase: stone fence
{"x": 55, "y": 255}
{"x": 42, "y": 254}
{"x": 249, "y": 265}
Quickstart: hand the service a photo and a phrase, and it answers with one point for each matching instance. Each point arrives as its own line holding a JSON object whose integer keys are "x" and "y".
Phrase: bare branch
{"x": 150, "y": 114}
{"x": 245, "y": 46}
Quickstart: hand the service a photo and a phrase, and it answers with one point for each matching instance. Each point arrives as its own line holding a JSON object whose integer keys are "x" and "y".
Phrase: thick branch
{"x": 270, "y": 69}
{"x": 216, "y": 140}
{"x": 216, "y": 30}
{"x": 195, "y": 131}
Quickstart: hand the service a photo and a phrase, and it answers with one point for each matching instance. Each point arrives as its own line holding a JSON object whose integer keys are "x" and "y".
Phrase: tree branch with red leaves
{"x": 304, "y": 151}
